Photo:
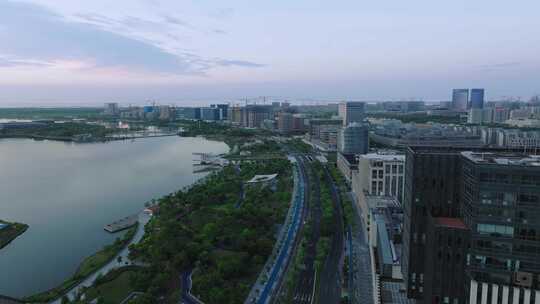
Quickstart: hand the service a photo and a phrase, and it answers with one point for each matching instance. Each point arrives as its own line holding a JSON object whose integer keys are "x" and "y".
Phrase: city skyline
{"x": 68, "y": 52}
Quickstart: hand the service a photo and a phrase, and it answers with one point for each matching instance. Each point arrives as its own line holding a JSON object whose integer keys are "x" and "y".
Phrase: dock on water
{"x": 122, "y": 224}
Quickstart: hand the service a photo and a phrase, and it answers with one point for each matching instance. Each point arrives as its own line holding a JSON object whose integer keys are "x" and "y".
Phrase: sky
{"x": 184, "y": 52}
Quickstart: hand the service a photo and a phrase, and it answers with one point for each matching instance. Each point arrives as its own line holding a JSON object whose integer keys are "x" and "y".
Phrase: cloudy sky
{"x": 84, "y": 52}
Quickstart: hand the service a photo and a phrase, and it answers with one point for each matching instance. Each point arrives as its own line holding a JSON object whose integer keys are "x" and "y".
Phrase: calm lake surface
{"x": 67, "y": 192}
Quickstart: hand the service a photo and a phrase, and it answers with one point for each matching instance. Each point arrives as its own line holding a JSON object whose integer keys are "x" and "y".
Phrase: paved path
{"x": 270, "y": 277}
{"x": 113, "y": 264}
{"x": 187, "y": 297}
{"x": 305, "y": 285}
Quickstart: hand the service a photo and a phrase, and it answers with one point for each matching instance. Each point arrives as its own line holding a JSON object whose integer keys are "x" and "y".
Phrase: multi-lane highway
{"x": 271, "y": 276}
{"x": 305, "y": 286}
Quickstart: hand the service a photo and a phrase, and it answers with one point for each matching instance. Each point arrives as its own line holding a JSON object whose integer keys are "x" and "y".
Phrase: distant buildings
{"x": 222, "y": 111}
{"x": 288, "y": 123}
{"x": 22, "y": 125}
{"x": 254, "y": 115}
{"x": 111, "y": 109}
{"x": 477, "y": 99}
{"x": 392, "y": 132}
{"x": 354, "y": 139}
{"x": 403, "y": 106}
{"x": 351, "y": 111}
{"x": 324, "y": 132}
{"x": 152, "y": 112}
{"x": 460, "y": 99}
{"x": 488, "y": 115}
{"x": 462, "y": 103}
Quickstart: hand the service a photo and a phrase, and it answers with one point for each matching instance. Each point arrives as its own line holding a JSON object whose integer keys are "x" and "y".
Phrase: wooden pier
{"x": 122, "y": 224}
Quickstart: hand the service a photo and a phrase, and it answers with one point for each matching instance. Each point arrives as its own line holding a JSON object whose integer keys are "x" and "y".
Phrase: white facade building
{"x": 380, "y": 174}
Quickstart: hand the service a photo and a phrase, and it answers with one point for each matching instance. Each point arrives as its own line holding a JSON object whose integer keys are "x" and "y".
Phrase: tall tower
{"x": 460, "y": 99}
{"x": 477, "y": 99}
{"x": 351, "y": 111}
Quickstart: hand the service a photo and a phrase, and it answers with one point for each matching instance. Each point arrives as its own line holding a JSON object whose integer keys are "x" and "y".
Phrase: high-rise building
{"x": 353, "y": 139}
{"x": 222, "y": 111}
{"x": 471, "y": 226}
{"x": 501, "y": 201}
{"x": 477, "y": 99}
{"x": 460, "y": 99}
{"x": 432, "y": 191}
{"x": 236, "y": 114}
{"x": 351, "y": 111}
{"x": 111, "y": 108}
{"x": 256, "y": 114}
{"x": 285, "y": 122}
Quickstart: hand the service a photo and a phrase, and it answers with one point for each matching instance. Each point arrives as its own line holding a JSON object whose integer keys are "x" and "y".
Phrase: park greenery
{"x": 209, "y": 229}
{"x": 219, "y": 131}
{"x": 343, "y": 190}
{"x": 50, "y": 113}
{"x": 59, "y": 131}
{"x": 111, "y": 288}
{"x": 88, "y": 266}
{"x": 10, "y": 232}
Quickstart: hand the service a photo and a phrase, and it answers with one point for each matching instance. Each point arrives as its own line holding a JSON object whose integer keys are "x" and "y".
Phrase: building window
{"x": 387, "y": 169}
{"x": 381, "y": 174}
{"x": 394, "y": 169}
{"x": 400, "y": 168}
{"x": 374, "y": 174}
{"x": 495, "y": 229}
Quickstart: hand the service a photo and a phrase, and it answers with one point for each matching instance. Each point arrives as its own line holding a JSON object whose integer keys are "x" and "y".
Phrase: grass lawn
{"x": 114, "y": 291}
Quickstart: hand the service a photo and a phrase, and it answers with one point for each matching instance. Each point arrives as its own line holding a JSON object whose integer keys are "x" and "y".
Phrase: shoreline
{"x": 76, "y": 279}
{"x": 71, "y": 139}
{"x": 12, "y": 235}
{"x": 72, "y": 282}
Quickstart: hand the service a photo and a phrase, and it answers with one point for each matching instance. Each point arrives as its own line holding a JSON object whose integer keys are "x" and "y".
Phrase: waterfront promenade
{"x": 113, "y": 264}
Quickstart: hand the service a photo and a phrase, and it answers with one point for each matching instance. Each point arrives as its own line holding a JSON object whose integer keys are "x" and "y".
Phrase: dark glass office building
{"x": 477, "y": 99}
{"x": 472, "y": 226}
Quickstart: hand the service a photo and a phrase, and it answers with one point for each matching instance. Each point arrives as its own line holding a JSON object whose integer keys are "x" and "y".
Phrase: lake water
{"x": 67, "y": 192}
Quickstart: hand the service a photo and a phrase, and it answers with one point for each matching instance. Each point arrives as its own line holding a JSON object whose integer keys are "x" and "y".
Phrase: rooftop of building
{"x": 351, "y": 158}
{"x": 450, "y": 222}
{"x": 385, "y": 156}
{"x": 503, "y": 158}
{"x": 321, "y": 121}
{"x": 262, "y": 178}
{"x": 385, "y": 246}
{"x": 377, "y": 201}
